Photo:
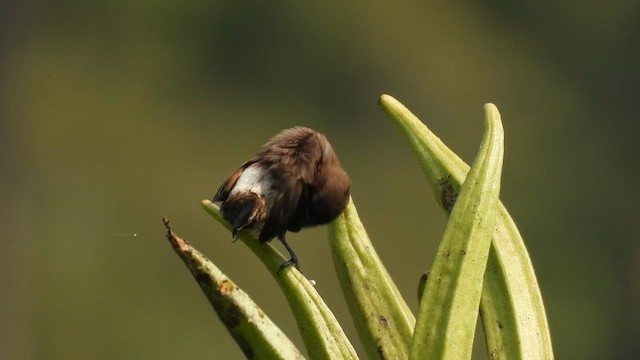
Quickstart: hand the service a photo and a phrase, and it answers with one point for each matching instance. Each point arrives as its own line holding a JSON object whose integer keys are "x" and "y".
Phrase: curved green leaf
{"x": 449, "y": 307}
{"x": 512, "y": 310}
{"x": 257, "y": 336}
{"x": 383, "y": 320}
{"x": 322, "y": 334}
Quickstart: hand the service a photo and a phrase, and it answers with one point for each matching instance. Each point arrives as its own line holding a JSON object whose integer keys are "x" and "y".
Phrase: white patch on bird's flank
{"x": 257, "y": 180}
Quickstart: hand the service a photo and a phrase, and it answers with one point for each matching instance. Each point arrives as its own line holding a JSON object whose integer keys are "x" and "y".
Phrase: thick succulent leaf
{"x": 257, "y": 336}
{"x": 383, "y": 319}
{"x": 322, "y": 334}
{"x": 512, "y": 310}
{"x": 449, "y": 307}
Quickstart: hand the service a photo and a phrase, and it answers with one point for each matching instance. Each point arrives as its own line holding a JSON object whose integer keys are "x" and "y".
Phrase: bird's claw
{"x": 286, "y": 264}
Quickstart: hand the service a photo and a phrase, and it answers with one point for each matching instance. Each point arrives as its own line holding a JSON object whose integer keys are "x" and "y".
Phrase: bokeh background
{"x": 114, "y": 114}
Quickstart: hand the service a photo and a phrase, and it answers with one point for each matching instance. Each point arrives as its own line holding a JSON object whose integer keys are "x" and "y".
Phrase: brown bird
{"x": 295, "y": 182}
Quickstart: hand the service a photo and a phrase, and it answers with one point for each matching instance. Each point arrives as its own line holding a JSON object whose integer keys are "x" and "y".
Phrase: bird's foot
{"x": 286, "y": 264}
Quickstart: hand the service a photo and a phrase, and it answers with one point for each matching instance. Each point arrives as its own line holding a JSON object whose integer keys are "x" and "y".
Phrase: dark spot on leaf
{"x": 231, "y": 316}
{"x": 381, "y": 352}
{"x": 448, "y": 192}
{"x": 204, "y": 280}
{"x": 499, "y": 324}
{"x": 384, "y": 321}
{"x": 422, "y": 283}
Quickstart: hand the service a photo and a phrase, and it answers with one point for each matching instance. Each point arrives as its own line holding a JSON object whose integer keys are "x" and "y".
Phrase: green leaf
{"x": 383, "y": 320}
{"x": 320, "y": 331}
{"x": 449, "y": 307}
{"x": 253, "y": 331}
{"x": 511, "y": 306}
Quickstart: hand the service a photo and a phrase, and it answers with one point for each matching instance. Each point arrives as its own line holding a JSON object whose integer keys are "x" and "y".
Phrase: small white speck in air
{"x": 127, "y": 234}
{"x": 313, "y": 282}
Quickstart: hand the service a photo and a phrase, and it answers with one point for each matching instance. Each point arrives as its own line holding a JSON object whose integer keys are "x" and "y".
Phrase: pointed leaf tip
{"x": 449, "y": 306}
{"x": 511, "y": 297}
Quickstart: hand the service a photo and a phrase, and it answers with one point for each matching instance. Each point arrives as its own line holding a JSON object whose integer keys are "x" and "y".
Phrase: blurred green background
{"x": 114, "y": 114}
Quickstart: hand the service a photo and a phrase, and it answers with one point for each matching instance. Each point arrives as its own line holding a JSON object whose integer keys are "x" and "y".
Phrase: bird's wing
{"x": 295, "y": 163}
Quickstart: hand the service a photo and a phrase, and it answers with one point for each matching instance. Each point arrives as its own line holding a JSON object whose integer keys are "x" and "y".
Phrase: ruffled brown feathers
{"x": 298, "y": 180}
